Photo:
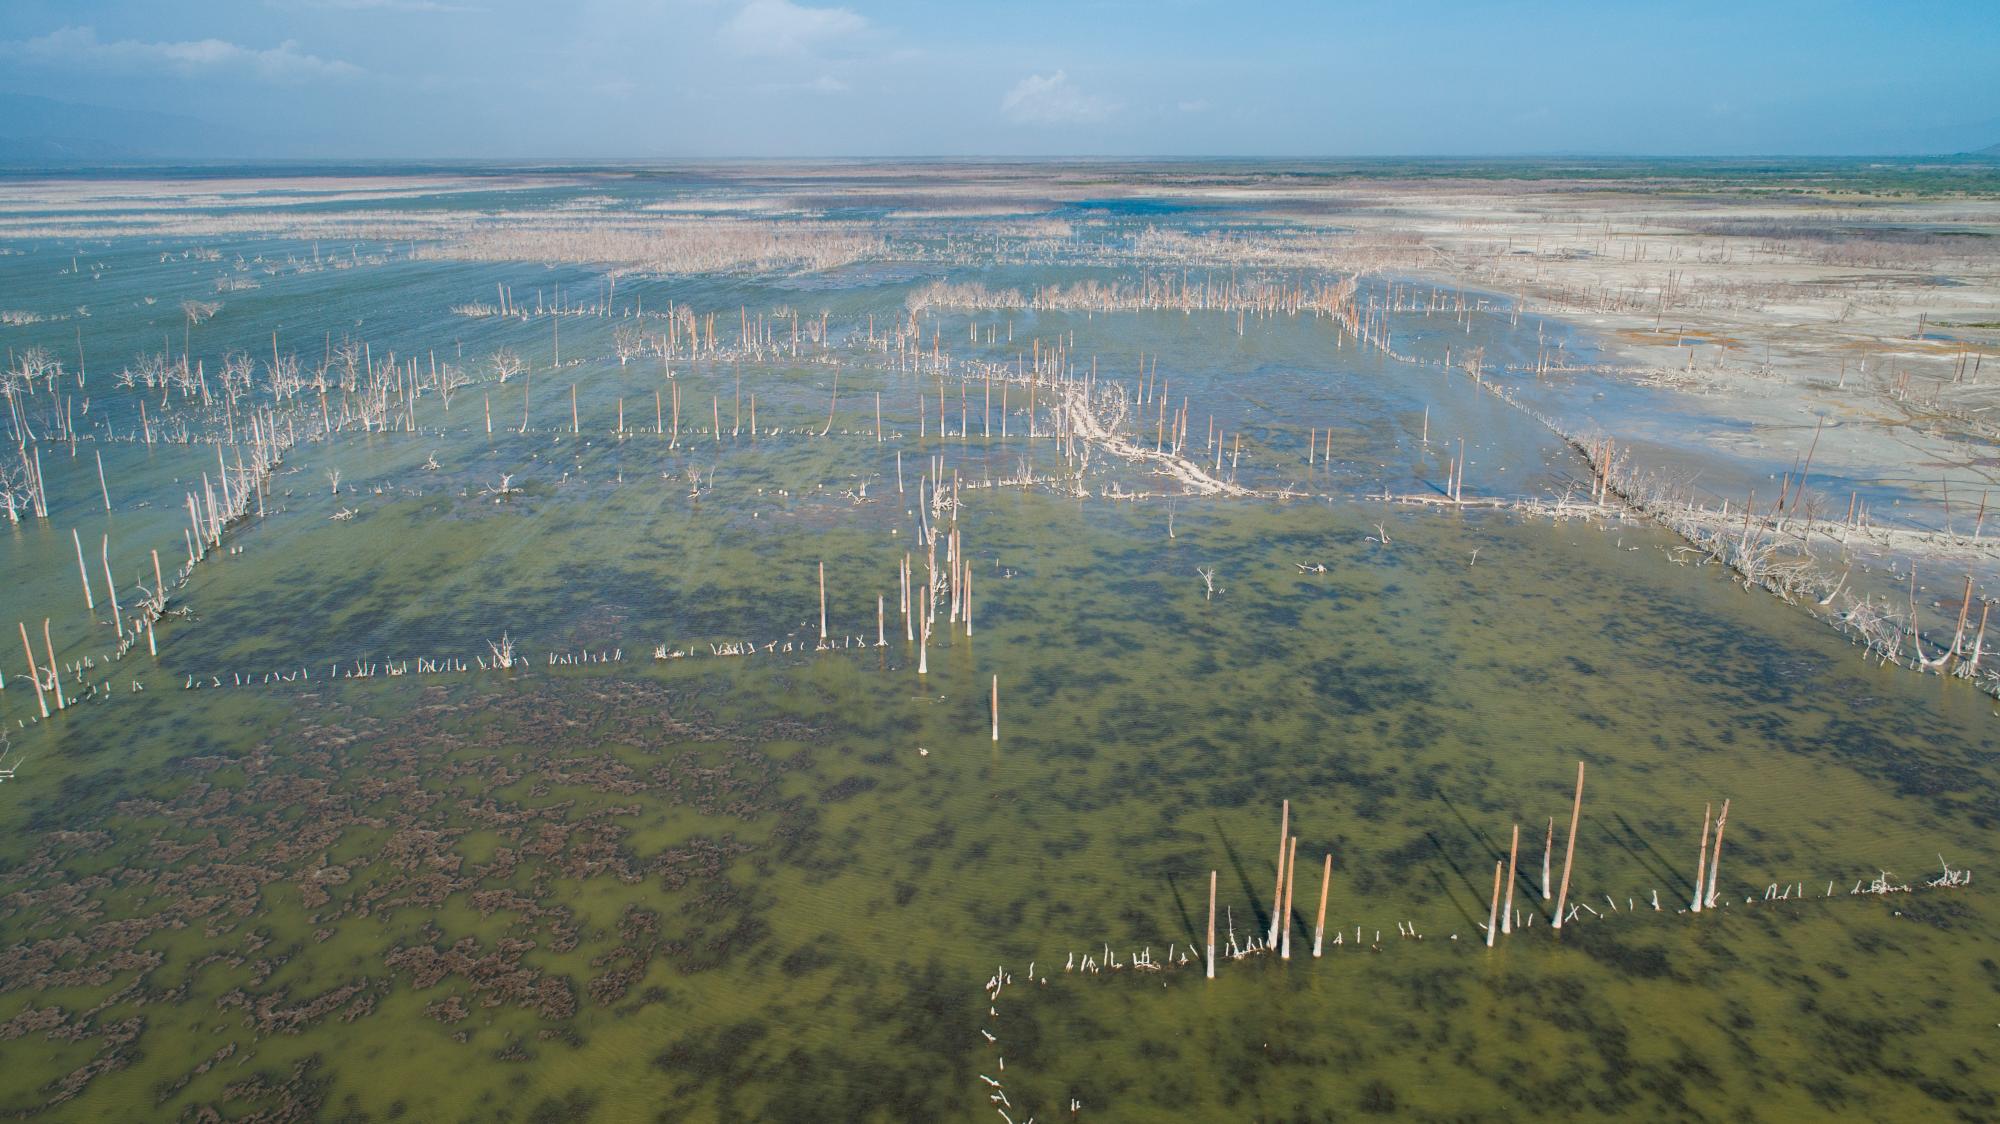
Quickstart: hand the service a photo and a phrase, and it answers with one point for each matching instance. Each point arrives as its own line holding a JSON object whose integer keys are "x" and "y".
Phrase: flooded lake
{"x": 306, "y": 850}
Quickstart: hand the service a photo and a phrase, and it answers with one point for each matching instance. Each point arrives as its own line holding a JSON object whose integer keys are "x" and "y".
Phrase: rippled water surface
{"x": 771, "y": 886}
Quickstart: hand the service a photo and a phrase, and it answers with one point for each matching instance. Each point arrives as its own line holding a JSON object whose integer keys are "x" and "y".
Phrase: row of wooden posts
{"x": 211, "y": 511}
{"x": 1708, "y": 868}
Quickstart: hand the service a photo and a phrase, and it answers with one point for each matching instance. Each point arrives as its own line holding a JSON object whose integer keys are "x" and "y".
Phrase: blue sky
{"x": 646, "y": 78}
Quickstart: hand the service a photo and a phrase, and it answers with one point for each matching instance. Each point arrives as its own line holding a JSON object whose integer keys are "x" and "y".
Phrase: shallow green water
{"x": 738, "y": 888}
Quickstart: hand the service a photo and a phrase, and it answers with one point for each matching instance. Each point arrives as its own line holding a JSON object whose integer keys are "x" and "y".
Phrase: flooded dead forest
{"x": 841, "y": 642}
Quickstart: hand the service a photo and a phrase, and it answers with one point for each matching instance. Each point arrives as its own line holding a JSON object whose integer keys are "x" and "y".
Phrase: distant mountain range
{"x": 38, "y": 130}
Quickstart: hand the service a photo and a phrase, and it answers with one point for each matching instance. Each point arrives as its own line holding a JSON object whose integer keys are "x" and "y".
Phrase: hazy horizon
{"x": 890, "y": 79}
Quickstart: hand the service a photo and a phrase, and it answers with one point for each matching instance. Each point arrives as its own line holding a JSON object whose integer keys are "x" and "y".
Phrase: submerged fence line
{"x": 1274, "y": 942}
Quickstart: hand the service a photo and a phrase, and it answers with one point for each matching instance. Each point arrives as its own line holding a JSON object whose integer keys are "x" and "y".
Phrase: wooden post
{"x": 42, "y": 701}
{"x": 111, "y": 587}
{"x": 822, "y": 602}
{"x": 1548, "y": 845}
{"x": 1211, "y": 924}
{"x": 996, "y": 708}
{"x": 1278, "y": 891}
{"x": 1569, "y": 849}
{"x": 106, "y": 488}
{"x": 55, "y": 669}
{"x": 1701, "y": 860}
{"x": 1493, "y": 911}
{"x": 1325, "y": 883}
{"x": 1291, "y": 884}
{"x": 881, "y": 614}
{"x": 1513, "y": 853}
{"x": 83, "y": 571}
{"x": 1715, "y": 857}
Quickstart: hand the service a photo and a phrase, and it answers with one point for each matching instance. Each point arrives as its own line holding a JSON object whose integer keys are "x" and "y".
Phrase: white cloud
{"x": 1197, "y": 105}
{"x": 780, "y": 27}
{"x": 1050, "y": 99}
{"x": 80, "y": 47}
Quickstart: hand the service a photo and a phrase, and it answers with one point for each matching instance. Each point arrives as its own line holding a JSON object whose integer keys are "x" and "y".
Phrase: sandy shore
{"x": 1880, "y": 319}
